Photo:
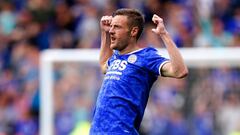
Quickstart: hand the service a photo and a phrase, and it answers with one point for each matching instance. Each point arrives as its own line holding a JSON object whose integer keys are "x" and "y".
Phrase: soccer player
{"x": 130, "y": 72}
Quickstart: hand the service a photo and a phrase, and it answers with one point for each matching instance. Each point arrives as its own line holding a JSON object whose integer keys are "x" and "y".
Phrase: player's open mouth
{"x": 113, "y": 39}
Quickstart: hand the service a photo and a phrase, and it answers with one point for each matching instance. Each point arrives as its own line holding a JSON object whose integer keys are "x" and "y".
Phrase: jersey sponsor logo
{"x": 115, "y": 69}
{"x": 118, "y": 65}
{"x": 113, "y": 77}
{"x": 114, "y": 72}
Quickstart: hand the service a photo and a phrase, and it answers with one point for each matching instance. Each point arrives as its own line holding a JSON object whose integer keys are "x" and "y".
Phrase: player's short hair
{"x": 135, "y": 18}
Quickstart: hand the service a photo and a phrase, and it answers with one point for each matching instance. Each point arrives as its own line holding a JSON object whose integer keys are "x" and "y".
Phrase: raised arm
{"x": 105, "y": 51}
{"x": 176, "y": 67}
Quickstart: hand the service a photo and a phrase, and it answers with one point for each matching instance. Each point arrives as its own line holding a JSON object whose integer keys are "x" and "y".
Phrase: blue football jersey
{"x": 125, "y": 90}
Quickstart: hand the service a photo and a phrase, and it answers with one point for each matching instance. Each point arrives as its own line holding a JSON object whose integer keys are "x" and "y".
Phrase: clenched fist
{"x": 160, "y": 29}
{"x": 105, "y": 23}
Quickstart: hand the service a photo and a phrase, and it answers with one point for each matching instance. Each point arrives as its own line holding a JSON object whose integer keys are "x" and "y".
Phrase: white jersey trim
{"x": 160, "y": 67}
{"x": 135, "y": 51}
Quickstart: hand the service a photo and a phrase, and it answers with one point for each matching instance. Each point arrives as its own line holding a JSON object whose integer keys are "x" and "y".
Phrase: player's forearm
{"x": 105, "y": 51}
{"x": 179, "y": 68}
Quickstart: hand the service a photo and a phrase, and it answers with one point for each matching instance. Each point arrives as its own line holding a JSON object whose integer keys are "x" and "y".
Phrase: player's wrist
{"x": 104, "y": 32}
{"x": 163, "y": 33}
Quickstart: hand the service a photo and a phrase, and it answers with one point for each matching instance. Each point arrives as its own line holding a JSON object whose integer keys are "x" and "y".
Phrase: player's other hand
{"x": 105, "y": 23}
{"x": 160, "y": 28}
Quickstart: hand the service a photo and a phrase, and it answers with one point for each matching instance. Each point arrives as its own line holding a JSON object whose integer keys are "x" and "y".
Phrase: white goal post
{"x": 193, "y": 57}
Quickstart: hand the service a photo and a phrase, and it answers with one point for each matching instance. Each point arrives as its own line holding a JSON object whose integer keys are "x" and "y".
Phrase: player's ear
{"x": 134, "y": 31}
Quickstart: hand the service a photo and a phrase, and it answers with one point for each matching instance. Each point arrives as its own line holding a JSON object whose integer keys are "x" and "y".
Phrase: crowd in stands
{"x": 207, "y": 102}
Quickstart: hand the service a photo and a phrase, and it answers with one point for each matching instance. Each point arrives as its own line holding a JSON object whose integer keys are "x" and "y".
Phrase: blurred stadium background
{"x": 207, "y": 102}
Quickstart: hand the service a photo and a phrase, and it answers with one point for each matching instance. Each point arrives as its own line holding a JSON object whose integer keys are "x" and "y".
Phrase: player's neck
{"x": 130, "y": 48}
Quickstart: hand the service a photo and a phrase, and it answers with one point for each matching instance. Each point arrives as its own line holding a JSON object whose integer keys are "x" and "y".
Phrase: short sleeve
{"x": 154, "y": 61}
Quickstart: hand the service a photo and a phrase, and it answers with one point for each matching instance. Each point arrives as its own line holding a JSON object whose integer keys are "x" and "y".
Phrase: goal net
{"x": 70, "y": 81}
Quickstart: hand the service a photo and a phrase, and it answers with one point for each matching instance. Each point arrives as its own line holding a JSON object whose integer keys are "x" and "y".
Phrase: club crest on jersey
{"x": 132, "y": 58}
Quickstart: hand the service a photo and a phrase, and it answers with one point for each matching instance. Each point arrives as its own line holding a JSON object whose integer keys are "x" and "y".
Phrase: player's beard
{"x": 120, "y": 44}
